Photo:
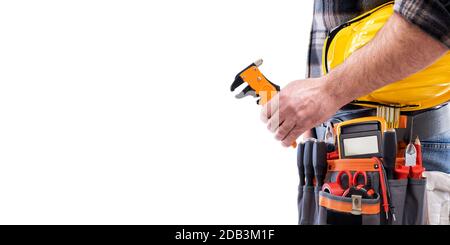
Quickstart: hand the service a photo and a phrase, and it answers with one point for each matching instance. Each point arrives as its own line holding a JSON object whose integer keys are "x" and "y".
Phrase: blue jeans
{"x": 436, "y": 153}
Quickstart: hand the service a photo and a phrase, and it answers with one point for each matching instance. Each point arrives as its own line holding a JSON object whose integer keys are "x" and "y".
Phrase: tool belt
{"x": 364, "y": 168}
{"x": 319, "y": 207}
{"x": 424, "y": 124}
{"x": 356, "y": 190}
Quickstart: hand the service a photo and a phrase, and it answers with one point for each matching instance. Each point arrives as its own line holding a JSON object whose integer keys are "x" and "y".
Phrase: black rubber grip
{"x": 307, "y": 162}
{"x": 389, "y": 152}
{"x": 320, "y": 161}
{"x": 301, "y": 168}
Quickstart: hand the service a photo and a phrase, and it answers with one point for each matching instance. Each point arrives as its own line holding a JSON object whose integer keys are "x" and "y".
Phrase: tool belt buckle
{"x": 356, "y": 204}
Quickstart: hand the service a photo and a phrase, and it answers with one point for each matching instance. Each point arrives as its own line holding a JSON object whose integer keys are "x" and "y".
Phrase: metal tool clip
{"x": 356, "y": 204}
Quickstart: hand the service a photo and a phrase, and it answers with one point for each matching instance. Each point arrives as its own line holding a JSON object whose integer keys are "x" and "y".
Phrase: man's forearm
{"x": 398, "y": 50}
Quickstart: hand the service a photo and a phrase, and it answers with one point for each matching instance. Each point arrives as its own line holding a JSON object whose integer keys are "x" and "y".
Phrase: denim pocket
{"x": 436, "y": 156}
{"x": 436, "y": 152}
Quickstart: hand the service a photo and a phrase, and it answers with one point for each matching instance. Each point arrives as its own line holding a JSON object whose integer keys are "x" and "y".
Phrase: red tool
{"x": 383, "y": 187}
{"x": 333, "y": 188}
{"x": 402, "y": 172}
{"x": 333, "y": 155}
{"x": 359, "y": 190}
{"x": 345, "y": 179}
{"x": 416, "y": 171}
{"x": 347, "y": 184}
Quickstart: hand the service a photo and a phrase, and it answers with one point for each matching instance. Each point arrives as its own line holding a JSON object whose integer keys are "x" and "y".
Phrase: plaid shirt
{"x": 432, "y": 16}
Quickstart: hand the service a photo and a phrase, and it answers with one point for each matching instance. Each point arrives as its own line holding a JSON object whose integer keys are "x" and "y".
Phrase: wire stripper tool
{"x": 258, "y": 85}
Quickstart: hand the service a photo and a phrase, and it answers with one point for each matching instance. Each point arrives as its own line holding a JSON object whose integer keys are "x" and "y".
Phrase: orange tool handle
{"x": 258, "y": 82}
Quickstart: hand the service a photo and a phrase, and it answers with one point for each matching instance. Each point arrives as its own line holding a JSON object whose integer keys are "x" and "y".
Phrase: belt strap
{"x": 430, "y": 123}
{"x": 425, "y": 124}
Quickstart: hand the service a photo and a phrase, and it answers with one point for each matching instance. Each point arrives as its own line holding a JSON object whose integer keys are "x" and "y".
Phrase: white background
{"x": 119, "y": 112}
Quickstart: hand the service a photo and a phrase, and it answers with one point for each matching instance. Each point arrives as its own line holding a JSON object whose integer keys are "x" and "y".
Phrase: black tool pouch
{"x": 352, "y": 210}
{"x": 308, "y": 205}
{"x": 337, "y": 210}
{"x": 414, "y": 213}
{"x": 398, "y": 189}
{"x": 408, "y": 198}
{"x": 317, "y": 207}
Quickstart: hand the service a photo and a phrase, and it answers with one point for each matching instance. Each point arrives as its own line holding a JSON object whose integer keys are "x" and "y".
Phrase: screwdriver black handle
{"x": 320, "y": 161}
{"x": 301, "y": 168}
{"x": 389, "y": 152}
{"x": 307, "y": 162}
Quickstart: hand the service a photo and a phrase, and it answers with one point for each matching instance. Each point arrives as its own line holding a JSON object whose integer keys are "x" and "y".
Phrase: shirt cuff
{"x": 432, "y": 16}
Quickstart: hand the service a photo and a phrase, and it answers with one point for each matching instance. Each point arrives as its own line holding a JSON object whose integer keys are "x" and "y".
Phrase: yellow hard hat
{"x": 425, "y": 89}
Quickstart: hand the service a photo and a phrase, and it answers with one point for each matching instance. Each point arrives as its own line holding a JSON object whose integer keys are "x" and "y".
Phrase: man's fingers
{"x": 270, "y": 108}
{"x": 274, "y": 122}
{"x": 292, "y": 136}
{"x": 284, "y": 130}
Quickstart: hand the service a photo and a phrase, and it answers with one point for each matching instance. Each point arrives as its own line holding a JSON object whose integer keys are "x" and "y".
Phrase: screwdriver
{"x": 300, "y": 165}
{"x": 307, "y": 162}
{"x": 389, "y": 152}
{"x": 320, "y": 161}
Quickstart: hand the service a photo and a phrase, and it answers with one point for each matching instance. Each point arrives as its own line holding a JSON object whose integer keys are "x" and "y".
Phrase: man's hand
{"x": 299, "y": 106}
{"x": 397, "y": 51}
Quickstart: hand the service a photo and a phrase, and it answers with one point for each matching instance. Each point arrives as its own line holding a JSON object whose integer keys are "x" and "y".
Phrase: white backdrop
{"x": 119, "y": 112}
